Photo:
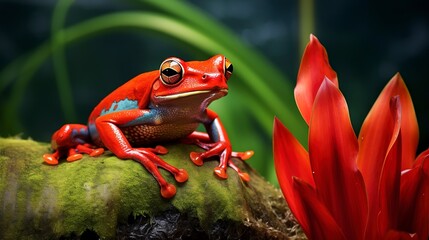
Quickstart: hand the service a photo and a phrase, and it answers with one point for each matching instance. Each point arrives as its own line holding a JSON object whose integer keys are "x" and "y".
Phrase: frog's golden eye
{"x": 171, "y": 72}
{"x": 228, "y": 68}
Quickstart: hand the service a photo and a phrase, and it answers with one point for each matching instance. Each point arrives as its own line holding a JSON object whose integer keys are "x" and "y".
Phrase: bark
{"x": 109, "y": 198}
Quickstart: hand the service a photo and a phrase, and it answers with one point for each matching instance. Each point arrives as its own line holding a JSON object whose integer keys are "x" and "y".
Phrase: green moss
{"x": 42, "y": 201}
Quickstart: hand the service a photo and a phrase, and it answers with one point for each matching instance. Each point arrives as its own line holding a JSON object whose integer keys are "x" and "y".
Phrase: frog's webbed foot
{"x": 149, "y": 159}
{"x": 221, "y": 149}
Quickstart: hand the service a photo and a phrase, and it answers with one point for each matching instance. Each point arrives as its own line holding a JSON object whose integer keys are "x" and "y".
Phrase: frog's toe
{"x": 196, "y": 158}
{"x": 181, "y": 175}
{"x": 74, "y": 157}
{"x": 87, "y": 149}
{"x": 168, "y": 191}
{"x": 243, "y": 155}
{"x": 220, "y": 172}
{"x": 96, "y": 152}
{"x": 244, "y": 176}
{"x": 50, "y": 159}
{"x": 160, "y": 150}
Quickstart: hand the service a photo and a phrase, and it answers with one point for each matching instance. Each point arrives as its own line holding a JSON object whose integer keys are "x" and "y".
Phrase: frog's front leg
{"x": 110, "y": 133}
{"x": 216, "y": 142}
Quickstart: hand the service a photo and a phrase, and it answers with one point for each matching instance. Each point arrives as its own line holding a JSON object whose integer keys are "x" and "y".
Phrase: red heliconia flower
{"x": 347, "y": 187}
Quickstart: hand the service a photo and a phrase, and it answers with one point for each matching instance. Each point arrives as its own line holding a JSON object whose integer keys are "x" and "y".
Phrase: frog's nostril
{"x": 204, "y": 76}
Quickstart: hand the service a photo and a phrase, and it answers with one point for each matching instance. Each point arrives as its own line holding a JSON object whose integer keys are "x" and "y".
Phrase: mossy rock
{"x": 108, "y": 198}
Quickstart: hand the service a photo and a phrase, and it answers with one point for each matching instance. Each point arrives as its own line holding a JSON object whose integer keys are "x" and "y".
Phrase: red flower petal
{"x": 414, "y": 198}
{"x": 313, "y": 69}
{"x": 409, "y": 126}
{"x": 376, "y": 130}
{"x": 388, "y": 200}
{"x": 291, "y": 160}
{"x": 377, "y": 136}
{"x": 333, "y": 149}
{"x": 321, "y": 225}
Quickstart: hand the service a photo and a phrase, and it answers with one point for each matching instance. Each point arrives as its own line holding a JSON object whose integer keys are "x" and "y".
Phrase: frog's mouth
{"x": 206, "y": 94}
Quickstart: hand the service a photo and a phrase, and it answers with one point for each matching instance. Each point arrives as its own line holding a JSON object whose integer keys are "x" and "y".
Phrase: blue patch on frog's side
{"x": 80, "y": 134}
{"x": 125, "y": 104}
{"x": 93, "y": 131}
{"x": 150, "y": 117}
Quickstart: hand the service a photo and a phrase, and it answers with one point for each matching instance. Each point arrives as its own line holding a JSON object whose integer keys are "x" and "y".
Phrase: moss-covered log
{"x": 110, "y": 198}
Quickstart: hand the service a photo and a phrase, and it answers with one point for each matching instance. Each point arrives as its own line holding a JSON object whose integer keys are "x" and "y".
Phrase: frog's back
{"x": 130, "y": 95}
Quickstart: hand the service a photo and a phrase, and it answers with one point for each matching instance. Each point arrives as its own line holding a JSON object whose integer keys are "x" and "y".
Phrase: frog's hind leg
{"x": 71, "y": 140}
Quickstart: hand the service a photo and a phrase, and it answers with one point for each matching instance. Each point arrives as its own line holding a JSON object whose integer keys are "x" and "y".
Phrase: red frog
{"x": 154, "y": 107}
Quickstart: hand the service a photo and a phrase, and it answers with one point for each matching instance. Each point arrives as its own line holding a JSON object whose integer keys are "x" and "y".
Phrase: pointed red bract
{"x": 414, "y": 199}
{"x": 321, "y": 224}
{"x": 291, "y": 160}
{"x": 409, "y": 126}
{"x": 385, "y": 206}
{"x": 333, "y": 149}
{"x": 313, "y": 70}
{"x": 373, "y": 138}
{"x": 377, "y": 135}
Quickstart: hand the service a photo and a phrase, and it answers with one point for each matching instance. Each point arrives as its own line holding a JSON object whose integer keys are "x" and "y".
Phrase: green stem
{"x": 59, "y": 60}
{"x": 306, "y": 22}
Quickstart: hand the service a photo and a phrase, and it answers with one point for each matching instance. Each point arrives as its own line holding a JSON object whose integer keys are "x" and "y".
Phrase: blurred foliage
{"x": 259, "y": 91}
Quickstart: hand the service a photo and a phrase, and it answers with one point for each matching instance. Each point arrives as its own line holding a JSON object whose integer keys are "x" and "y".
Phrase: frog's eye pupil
{"x": 171, "y": 72}
{"x": 228, "y": 68}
